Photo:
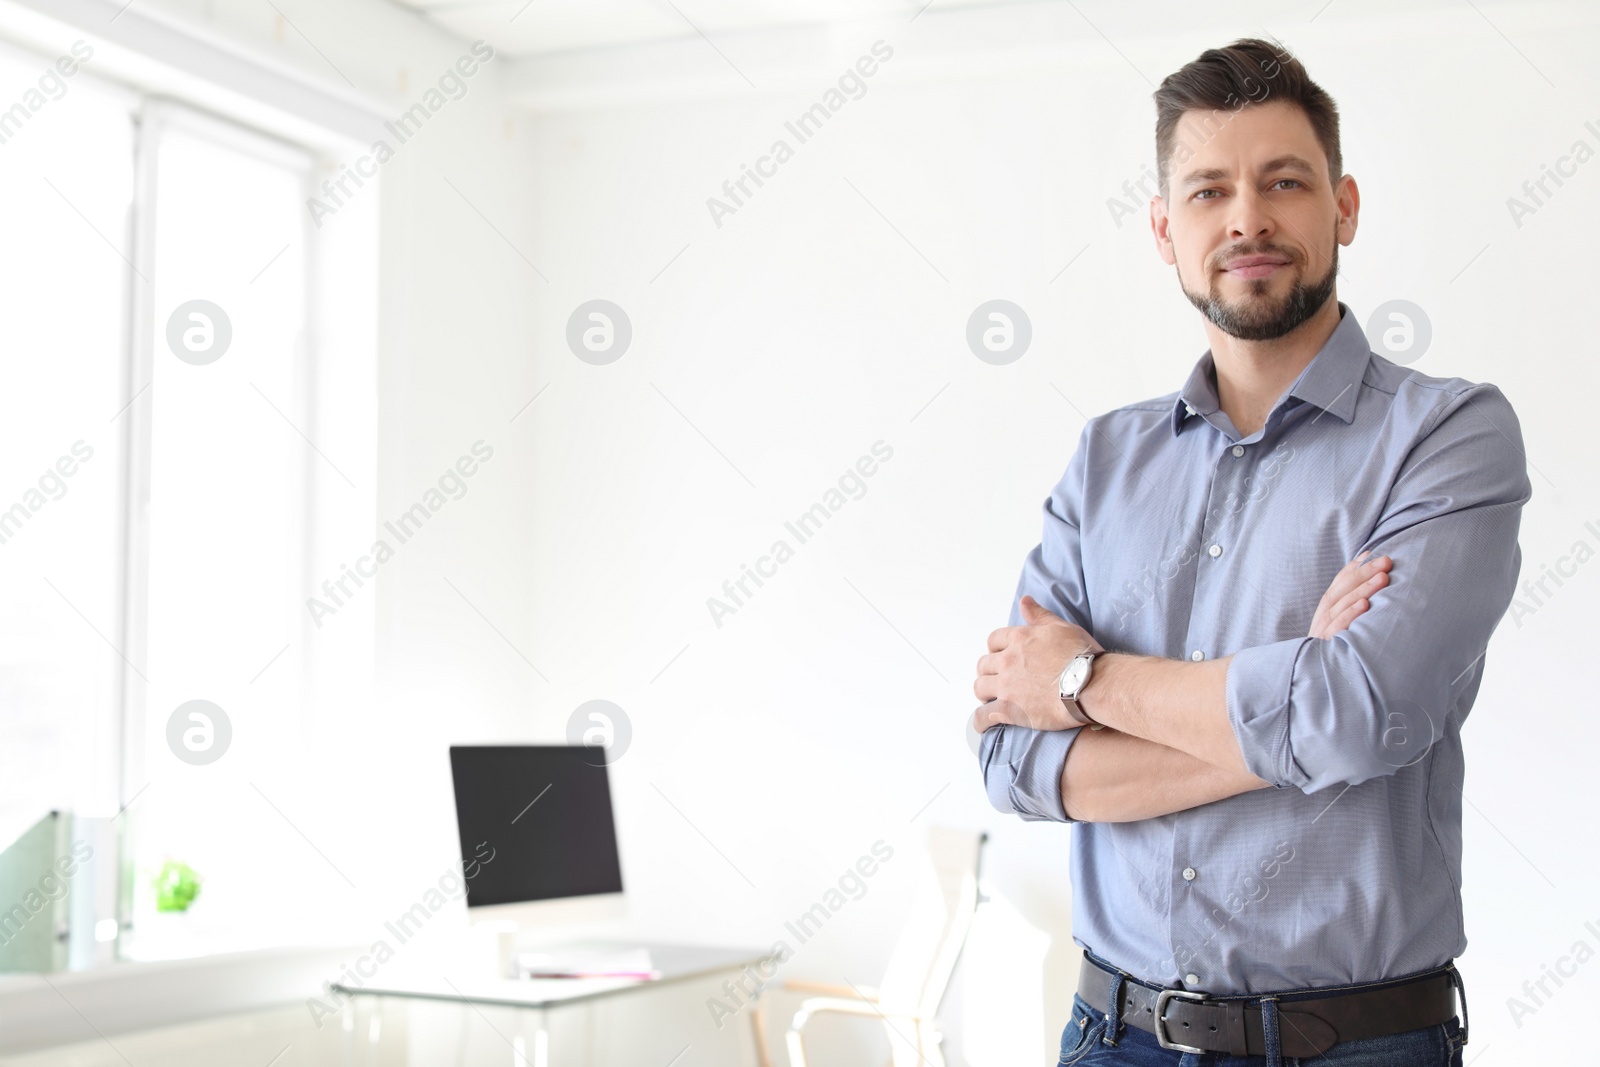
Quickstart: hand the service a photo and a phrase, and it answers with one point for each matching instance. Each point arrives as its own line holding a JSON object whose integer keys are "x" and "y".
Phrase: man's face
{"x": 1250, "y": 220}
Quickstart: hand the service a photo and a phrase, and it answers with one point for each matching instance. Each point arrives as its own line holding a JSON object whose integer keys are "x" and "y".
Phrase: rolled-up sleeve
{"x": 1022, "y": 770}
{"x": 1311, "y": 712}
{"x": 1021, "y": 766}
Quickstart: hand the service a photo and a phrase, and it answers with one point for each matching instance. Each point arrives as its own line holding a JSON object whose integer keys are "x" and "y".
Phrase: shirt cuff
{"x": 1022, "y": 770}
{"x": 1258, "y": 687}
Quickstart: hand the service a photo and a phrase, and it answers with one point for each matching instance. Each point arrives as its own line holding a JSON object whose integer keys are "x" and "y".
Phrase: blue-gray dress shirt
{"x": 1172, "y": 535}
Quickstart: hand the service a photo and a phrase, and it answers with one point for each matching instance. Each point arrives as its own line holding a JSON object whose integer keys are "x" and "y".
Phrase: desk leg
{"x": 347, "y": 1031}
{"x": 541, "y": 1041}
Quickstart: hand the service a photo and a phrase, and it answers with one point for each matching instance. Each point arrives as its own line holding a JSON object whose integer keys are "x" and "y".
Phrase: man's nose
{"x": 1251, "y": 217}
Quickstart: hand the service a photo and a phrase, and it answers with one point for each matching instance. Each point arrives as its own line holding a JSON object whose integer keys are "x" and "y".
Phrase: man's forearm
{"x": 1174, "y": 703}
{"x": 1112, "y": 776}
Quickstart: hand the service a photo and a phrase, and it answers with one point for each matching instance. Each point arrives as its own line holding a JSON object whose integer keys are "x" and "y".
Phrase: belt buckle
{"x": 1162, "y": 1000}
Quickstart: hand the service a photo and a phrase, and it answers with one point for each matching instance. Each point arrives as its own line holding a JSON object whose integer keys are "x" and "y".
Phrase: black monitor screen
{"x": 535, "y": 823}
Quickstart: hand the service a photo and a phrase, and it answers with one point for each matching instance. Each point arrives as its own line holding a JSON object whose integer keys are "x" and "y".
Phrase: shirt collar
{"x": 1331, "y": 380}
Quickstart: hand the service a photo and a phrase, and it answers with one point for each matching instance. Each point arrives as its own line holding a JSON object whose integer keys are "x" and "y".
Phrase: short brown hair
{"x": 1247, "y": 72}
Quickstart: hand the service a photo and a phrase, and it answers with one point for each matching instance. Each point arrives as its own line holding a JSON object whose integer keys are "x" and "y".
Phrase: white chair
{"x": 907, "y": 1000}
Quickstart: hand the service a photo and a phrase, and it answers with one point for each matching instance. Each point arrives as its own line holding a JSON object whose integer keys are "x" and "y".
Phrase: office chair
{"x": 907, "y": 1001}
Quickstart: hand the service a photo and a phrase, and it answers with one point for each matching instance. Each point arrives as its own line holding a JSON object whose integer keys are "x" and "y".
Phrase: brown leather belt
{"x": 1310, "y": 1021}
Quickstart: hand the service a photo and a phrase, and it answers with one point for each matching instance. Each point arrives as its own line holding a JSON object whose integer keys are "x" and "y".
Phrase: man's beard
{"x": 1258, "y": 317}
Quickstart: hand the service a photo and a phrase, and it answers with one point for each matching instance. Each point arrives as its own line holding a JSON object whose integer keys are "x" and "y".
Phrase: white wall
{"x": 769, "y": 753}
{"x": 826, "y": 713}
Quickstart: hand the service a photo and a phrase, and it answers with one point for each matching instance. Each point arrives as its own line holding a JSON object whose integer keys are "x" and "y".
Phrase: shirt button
{"x": 1197, "y": 655}
{"x": 1215, "y": 551}
{"x": 1238, "y": 450}
{"x": 1188, "y": 874}
{"x": 1192, "y": 979}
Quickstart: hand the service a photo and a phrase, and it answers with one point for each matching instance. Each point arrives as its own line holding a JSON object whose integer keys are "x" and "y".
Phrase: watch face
{"x": 1072, "y": 680}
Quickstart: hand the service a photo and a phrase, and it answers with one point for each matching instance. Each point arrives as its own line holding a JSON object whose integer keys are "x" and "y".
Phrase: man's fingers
{"x": 994, "y": 713}
{"x": 986, "y": 716}
{"x": 1034, "y": 612}
{"x": 1342, "y": 621}
{"x": 1342, "y": 583}
{"x": 1353, "y": 577}
{"x": 1360, "y": 569}
{"x": 1356, "y": 600}
{"x": 1343, "y": 612}
{"x": 985, "y": 687}
{"x": 1373, "y": 565}
{"x": 1356, "y": 582}
{"x": 1001, "y": 638}
{"x": 998, "y": 713}
{"x": 1361, "y": 592}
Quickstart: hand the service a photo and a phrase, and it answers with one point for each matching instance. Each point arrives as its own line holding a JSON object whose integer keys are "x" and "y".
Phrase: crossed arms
{"x": 1120, "y": 774}
{"x": 1342, "y": 704}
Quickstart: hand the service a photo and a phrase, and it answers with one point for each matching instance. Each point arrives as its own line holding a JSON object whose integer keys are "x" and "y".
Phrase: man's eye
{"x": 1202, "y": 193}
{"x": 1291, "y": 181}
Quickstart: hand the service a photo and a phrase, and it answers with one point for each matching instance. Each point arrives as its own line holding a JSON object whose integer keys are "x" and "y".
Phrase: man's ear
{"x": 1160, "y": 229}
{"x": 1347, "y": 199}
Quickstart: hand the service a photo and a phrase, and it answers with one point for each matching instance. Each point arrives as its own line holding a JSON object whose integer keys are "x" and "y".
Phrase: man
{"x": 1267, "y": 856}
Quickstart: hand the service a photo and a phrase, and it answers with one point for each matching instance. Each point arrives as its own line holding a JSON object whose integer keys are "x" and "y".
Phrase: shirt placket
{"x": 1195, "y": 885}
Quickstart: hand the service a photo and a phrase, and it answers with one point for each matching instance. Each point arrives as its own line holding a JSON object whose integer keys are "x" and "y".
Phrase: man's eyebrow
{"x": 1294, "y": 163}
{"x": 1200, "y": 177}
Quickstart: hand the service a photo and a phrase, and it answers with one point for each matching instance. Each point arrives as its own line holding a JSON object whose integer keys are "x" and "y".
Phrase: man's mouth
{"x": 1254, "y": 266}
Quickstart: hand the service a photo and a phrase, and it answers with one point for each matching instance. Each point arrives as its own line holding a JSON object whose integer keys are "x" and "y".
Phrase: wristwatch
{"x": 1073, "y": 678}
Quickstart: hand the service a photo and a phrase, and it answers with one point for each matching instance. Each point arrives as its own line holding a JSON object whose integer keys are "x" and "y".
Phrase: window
{"x": 66, "y": 173}
{"x": 190, "y": 450}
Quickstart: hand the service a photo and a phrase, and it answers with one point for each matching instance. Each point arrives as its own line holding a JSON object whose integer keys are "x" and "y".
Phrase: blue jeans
{"x": 1082, "y": 1043}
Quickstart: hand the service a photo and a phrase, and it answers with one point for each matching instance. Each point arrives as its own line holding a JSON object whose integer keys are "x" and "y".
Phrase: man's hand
{"x": 1018, "y": 680}
{"x": 1348, "y": 596}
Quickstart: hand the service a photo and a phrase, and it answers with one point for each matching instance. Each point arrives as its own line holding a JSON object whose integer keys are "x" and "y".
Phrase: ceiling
{"x": 533, "y": 27}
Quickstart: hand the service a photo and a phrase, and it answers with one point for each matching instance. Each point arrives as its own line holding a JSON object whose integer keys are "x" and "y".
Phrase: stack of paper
{"x": 598, "y": 961}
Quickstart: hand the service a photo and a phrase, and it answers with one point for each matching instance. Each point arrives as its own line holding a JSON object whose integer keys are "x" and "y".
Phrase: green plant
{"x": 176, "y": 886}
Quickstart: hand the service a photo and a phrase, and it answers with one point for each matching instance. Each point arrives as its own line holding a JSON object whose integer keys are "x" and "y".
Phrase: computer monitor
{"x": 538, "y": 840}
